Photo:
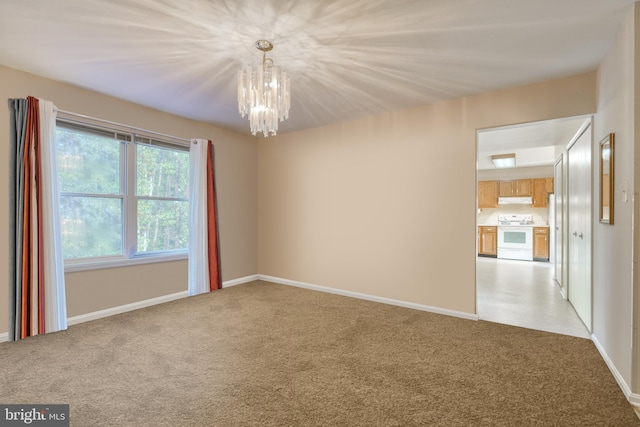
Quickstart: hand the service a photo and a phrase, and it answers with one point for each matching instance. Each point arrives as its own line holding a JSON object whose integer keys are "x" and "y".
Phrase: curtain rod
{"x": 82, "y": 116}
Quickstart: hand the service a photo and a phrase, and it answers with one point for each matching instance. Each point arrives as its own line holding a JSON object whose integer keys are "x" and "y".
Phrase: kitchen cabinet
{"x": 488, "y": 240}
{"x": 515, "y": 188}
{"x": 541, "y": 243}
{"x": 488, "y": 194}
{"x": 541, "y": 189}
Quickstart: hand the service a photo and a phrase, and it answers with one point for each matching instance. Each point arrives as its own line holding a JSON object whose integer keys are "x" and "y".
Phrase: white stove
{"x": 515, "y": 236}
{"x": 515, "y": 219}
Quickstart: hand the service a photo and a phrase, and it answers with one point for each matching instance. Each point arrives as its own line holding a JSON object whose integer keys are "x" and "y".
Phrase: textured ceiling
{"x": 346, "y": 58}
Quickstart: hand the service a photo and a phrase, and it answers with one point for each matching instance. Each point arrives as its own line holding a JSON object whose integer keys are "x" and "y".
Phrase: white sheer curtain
{"x": 198, "y": 229}
{"x": 54, "y": 288}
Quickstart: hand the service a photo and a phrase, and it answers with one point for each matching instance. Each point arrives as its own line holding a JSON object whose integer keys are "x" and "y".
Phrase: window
{"x": 123, "y": 196}
{"x": 162, "y": 178}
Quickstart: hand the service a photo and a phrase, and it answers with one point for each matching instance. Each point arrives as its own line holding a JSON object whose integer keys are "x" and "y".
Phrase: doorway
{"x": 528, "y": 293}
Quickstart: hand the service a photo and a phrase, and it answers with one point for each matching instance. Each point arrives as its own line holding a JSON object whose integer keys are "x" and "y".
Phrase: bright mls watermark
{"x": 34, "y": 415}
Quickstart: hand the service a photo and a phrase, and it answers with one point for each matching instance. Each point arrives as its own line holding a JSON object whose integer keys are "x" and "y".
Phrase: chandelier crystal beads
{"x": 264, "y": 94}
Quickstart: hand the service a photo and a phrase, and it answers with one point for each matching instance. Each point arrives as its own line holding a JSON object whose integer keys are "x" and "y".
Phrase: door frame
{"x": 588, "y": 121}
{"x": 560, "y": 224}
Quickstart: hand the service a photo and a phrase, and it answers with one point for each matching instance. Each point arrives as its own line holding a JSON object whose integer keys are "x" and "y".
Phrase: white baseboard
{"x": 633, "y": 398}
{"x": 139, "y": 304}
{"x": 563, "y": 293}
{"x": 240, "y": 281}
{"x": 115, "y": 310}
{"x": 124, "y": 308}
{"x": 562, "y": 290}
{"x": 149, "y": 302}
{"x": 368, "y": 297}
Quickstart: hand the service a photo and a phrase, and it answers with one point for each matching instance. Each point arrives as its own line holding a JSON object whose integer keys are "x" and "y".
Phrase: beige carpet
{"x": 262, "y": 354}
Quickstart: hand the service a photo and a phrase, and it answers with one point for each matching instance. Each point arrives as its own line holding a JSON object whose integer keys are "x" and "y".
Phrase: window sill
{"x": 122, "y": 262}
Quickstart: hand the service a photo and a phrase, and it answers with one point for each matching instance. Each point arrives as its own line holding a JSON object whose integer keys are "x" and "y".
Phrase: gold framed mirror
{"x": 606, "y": 179}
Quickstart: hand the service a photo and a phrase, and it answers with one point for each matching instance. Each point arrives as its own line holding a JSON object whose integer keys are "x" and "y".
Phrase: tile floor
{"x": 523, "y": 293}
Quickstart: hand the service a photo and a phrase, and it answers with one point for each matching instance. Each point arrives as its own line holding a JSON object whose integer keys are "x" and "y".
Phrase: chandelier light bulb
{"x": 264, "y": 94}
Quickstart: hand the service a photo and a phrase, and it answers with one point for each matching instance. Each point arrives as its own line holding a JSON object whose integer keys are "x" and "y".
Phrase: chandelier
{"x": 264, "y": 94}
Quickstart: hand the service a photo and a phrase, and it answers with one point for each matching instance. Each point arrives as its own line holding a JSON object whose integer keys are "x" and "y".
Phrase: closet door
{"x": 579, "y": 225}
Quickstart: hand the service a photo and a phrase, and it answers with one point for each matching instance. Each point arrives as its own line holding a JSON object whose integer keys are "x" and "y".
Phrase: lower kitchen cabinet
{"x": 488, "y": 240}
{"x": 541, "y": 243}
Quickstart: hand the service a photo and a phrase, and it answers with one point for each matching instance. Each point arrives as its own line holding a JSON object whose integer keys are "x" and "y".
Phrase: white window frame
{"x": 128, "y": 195}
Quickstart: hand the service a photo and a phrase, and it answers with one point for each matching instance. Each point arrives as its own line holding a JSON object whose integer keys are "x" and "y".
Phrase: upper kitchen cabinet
{"x": 541, "y": 189}
{"x": 515, "y": 188}
{"x": 488, "y": 194}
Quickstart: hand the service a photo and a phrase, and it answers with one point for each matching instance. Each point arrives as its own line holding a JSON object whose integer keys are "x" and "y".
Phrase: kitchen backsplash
{"x": 489, "y": 216}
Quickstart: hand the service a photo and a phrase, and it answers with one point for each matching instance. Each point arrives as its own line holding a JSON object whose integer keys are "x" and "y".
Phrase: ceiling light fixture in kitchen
{"x": 264, "y": 93}
{"x": 504, "y": 160}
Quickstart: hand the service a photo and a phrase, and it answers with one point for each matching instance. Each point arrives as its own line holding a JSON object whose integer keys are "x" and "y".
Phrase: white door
{"x": 558, "y": 190}
{"x": 579, "y": 225}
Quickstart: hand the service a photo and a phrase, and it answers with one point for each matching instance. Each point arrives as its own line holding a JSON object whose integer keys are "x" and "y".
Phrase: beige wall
{"x": 612, "y": 245}
{"x": 386, "y": 205}
{"x": 236, "y": 175}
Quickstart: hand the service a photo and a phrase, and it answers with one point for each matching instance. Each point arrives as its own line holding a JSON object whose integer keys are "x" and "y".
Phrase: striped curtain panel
{"x": 37, "y": 302}
{"x": 204, "y": 244}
